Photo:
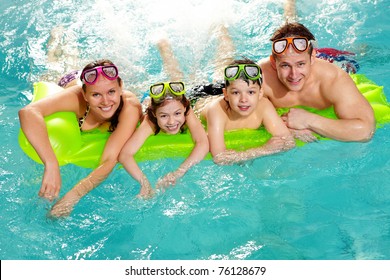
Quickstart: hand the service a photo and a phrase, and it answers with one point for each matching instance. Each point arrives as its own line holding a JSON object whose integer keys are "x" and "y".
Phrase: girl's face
{"x": 103, "y": 97}
{"x": 170, "y": 116}
{"x": 242, "y": 97}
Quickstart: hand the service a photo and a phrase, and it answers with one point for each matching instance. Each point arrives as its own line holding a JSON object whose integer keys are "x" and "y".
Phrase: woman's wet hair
{"x": 106, "y": 62}
{"x": 154, "y": 105}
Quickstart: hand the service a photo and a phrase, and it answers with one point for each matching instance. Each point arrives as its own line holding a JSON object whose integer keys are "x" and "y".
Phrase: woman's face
{"x": 103, "y": 97}
{"x": 171, "y": 116}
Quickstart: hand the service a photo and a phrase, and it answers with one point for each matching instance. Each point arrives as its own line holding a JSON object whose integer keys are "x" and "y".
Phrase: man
{"x": 293, "y": 76}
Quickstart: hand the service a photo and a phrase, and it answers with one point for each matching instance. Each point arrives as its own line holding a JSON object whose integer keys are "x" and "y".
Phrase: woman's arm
{"x": 34, "y": 127}
{"x": 128, "y": 120}
{"x": 126, "y": 157}
{"x": 200, "y": 150}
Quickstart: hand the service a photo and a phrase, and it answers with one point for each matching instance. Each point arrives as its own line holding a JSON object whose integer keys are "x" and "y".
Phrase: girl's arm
{"x": 200, "y": 150}
{"x": 128, "y": 120}
{"x": 34, "y": 127}
{"x": 126, "y": 157}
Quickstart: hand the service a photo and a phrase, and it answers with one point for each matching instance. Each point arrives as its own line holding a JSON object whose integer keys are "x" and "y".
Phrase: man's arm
{"x": 356, "y": 120}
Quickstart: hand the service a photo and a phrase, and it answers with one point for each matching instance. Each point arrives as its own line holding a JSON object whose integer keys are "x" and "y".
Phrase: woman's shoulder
{"x": 131, "y": 97}
{"x": 130, "y": 100}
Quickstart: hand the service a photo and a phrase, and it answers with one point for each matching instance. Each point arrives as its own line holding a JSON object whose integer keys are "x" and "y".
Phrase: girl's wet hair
{"x": 152, "y": 109}
{"x": 115, "y": 118}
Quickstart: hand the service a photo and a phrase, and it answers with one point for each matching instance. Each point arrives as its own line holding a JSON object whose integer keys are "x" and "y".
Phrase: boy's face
{"x": 243, "y": 97}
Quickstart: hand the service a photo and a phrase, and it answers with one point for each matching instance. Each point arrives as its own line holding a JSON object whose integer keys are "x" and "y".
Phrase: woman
{"x": 100, "y": 103}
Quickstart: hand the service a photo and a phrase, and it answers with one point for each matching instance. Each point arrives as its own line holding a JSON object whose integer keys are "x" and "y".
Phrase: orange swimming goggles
{"x": 300, "y": 44}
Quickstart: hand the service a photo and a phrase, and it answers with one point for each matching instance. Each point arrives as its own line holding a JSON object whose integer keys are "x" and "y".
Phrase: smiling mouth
{"x": 244, "y": 108}
{"x": 172, "y": 128}
{"x": 106, "y": 108}
{"x": 294, "y": 82}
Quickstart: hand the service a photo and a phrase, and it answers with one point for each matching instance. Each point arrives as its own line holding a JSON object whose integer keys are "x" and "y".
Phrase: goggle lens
{"x": 280, "y": 46}
{"x": 252, "y": 71}
{"x": 156, "y": 89}
{"x": 90, "y": 77}
{"x": 111, "y": 72}
{"x": 231, "y": 71}
{"x": 300, "y": 44}
{"x": 177, "y": 87}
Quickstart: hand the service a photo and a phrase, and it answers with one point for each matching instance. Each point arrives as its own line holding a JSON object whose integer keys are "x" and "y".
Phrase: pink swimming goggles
{"x": 90, "y": 76}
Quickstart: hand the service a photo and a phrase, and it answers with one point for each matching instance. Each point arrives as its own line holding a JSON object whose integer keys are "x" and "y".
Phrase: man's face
{"x": 293, "y": 68}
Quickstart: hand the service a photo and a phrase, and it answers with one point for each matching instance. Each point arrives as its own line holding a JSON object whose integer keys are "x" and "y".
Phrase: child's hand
{"x": 304, "y": 135}
{"x": 167, "y": 180}
{"x": 146, "y": 190}
{"x": 64, "y": 206}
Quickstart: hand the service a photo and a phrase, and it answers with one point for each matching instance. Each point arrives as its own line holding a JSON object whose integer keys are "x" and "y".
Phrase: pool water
{"x": 325, "y": 200}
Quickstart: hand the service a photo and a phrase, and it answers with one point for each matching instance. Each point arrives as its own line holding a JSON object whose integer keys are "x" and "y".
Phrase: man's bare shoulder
{"x": 263, "y": 61}
{"x": 330, "y": 75}
{"x": 324, "y": 70}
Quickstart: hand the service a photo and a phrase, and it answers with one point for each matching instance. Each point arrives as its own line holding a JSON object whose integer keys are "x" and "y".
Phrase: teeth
{"x": 172, "y": 128}
{"x": 106, "y": 109}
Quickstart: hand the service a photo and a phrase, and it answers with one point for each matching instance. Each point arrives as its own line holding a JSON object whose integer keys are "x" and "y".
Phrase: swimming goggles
{"x": 90, "y": 76}
{"x": 251, "y": 71}
{"x": 300, "y": 44}
{"x": 159, "y": 89}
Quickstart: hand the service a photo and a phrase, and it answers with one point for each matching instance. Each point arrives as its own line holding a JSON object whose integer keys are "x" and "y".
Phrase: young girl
{"x": 242, "y": 106}
{"x": 169, "y": 111}
{"x": 99, "y": 103}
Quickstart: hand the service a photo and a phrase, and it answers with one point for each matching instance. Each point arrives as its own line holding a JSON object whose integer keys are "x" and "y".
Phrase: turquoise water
{"x": 326, "y": 200}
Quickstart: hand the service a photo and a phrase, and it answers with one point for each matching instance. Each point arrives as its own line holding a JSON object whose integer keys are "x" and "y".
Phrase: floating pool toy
{"x": 85, "y": 148}
{"x": 345, "y": 60}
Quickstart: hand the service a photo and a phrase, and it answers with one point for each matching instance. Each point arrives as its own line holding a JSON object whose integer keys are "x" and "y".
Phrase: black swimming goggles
{"x": 251, "y": 71}
{"x": 300, "y": 44}
{"x": 89, "y": 76}
{"x": 160, "y": 89}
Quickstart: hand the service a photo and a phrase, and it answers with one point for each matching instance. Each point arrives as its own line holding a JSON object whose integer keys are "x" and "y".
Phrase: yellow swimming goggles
{"x": 160, "y": 89}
